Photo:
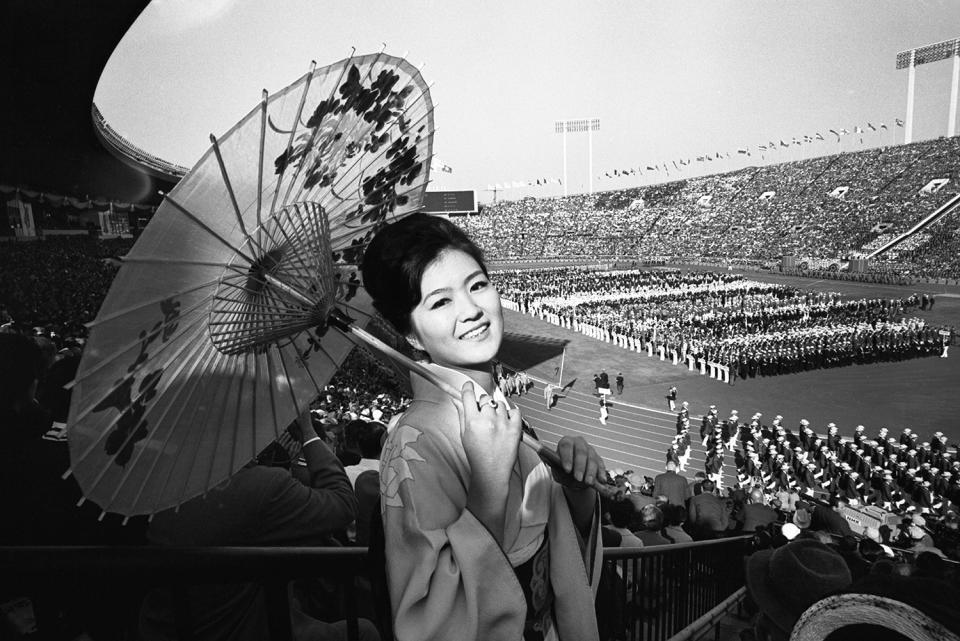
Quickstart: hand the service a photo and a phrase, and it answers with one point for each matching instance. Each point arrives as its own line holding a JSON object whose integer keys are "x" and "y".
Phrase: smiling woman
{"x": 482, "y": 542}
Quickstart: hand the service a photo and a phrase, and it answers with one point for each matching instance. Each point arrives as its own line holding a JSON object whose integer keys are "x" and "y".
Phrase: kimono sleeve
{"x": 447, "y": 575}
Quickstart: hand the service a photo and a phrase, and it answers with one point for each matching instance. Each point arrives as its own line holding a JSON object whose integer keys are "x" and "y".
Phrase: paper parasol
{"x": 214, "y": 334}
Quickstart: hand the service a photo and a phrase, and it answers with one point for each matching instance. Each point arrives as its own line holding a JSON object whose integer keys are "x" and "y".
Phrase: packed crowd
{"x": 57, "y": 283}
{"x": 748, "y": 327}
{"x": 757, "y": 213}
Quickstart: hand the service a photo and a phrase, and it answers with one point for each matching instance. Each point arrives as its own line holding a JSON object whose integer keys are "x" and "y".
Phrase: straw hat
{"x": 826, "y": 616}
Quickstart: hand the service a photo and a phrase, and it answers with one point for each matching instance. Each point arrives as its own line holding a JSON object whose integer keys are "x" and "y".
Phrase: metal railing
{"x": 646, "y": 593}
{"x": 109, "y": 583}
{"x": 654, "y": 593}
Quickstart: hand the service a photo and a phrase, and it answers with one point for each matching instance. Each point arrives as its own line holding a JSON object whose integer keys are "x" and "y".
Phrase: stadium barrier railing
{"x": 655, "y": 593}
{"x": 649, "y": 593}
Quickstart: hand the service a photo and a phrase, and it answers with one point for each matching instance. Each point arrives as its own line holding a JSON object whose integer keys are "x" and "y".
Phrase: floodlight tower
{"x": 930, "y": 53}
{"x": 588, "y": 125}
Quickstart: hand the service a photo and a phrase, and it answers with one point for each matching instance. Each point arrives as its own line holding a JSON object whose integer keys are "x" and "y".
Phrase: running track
{"x": 634, "y": 438}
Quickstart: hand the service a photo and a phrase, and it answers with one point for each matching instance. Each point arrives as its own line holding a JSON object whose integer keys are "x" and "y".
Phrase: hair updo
{"x": 399, "y": 254}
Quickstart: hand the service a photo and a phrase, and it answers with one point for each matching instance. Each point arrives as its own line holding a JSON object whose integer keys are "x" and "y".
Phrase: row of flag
{"x": 678, "y": 165}
{"x": 513, "y": 184}
{"x": 768, "y": 147}
{"x": 519, "y": 184}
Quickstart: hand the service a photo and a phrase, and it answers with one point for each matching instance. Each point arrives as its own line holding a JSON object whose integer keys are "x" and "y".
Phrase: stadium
{"x": 768, "y": 316}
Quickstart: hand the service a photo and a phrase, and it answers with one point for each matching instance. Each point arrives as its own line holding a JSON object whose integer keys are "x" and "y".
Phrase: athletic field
{"x": 922, "y": 393}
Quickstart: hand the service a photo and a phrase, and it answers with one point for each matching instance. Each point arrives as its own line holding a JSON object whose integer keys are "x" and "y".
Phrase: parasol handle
{"x": 549, "y": 457}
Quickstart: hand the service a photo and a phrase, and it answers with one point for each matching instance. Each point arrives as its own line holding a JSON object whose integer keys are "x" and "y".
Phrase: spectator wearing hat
{"x": 785, "y": 581}
{"x": 802, "y": 518}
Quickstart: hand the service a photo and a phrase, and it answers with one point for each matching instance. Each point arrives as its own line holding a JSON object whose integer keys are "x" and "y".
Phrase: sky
{"x": 668, "y": 80}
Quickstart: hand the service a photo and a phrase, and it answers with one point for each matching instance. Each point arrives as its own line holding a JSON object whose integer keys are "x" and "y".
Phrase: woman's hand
{"x": 581, "y": 462}
{"x": 491, "y": 437}
{"x": 585, "y": 470}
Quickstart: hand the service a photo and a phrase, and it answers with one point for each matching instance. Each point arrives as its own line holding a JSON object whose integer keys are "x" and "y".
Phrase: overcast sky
{"x": 669, "y": 80}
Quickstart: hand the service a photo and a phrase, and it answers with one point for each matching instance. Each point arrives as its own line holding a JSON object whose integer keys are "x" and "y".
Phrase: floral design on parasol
{"x": 214, "y": 335}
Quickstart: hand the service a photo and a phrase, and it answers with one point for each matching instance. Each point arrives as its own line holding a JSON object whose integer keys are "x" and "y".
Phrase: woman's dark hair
{"x": 396, "y": 258}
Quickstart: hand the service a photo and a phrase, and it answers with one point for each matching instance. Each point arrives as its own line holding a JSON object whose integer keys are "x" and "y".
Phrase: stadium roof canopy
{"x": 53, "y": 53}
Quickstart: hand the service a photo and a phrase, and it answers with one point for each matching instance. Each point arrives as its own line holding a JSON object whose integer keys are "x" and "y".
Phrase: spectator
{"x": 623, "y": 517}
{"x": 259, "y": 505}
{"x": 674, "y": 516}
{"x": 707, "y": 515}
{"x": 670, "y": 484}
{"x": 364, "y": 439}
{"x": 40, "y": 504}
{"x": 826, "y": 519}
{"x": 784, "y": 582}
{"x": 756, "y": 513}
{"x": 651, "y": 524}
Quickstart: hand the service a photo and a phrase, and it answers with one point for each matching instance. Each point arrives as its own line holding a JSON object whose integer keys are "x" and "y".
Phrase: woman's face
{"x": 458, "y": 321}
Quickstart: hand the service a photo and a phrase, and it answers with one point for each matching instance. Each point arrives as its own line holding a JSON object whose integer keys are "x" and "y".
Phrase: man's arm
{"x": 298, "y": 512}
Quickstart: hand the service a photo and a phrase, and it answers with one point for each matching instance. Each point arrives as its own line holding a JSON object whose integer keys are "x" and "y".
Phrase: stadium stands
{"x": 741, "y": 221}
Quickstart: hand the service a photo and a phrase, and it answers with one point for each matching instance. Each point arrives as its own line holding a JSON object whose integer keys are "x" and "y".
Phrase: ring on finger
{"x": 493, "y": 403}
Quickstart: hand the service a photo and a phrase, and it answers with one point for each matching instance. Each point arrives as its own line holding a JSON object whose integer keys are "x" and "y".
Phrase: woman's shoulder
{"x": 433, "y": 420}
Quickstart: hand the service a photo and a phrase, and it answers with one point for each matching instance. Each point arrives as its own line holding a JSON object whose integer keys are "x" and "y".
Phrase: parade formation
{"x": 747, "y": 327}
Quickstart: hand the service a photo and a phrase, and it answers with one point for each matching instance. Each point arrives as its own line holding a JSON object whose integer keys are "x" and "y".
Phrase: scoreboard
{"x": 450, "y": 202}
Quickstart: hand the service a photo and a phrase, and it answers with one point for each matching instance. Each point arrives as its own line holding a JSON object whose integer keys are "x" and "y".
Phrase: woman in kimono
{"x": 482, "y": 541}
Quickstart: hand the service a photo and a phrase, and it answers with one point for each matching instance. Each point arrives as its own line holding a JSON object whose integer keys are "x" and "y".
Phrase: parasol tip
{"x": 66, "y": 475}
{"x": 264, "y": 94}
{"x": 102, "y": 514}
{"x": 82, "y": 500}
{"x": 126, "y": 520}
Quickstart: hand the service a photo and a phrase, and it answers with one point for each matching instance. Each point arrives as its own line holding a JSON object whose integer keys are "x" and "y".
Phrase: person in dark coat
{"x": 262, "y": 504}
{"x": 671, "y": 485}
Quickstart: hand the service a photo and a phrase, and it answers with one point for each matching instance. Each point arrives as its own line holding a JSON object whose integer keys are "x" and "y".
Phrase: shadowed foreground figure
{"x": 259, "y": 505}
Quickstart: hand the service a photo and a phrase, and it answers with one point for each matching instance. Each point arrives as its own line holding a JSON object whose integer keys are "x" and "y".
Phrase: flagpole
{"x": 590, "y": 161}
{"x": 562, "y": 357}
